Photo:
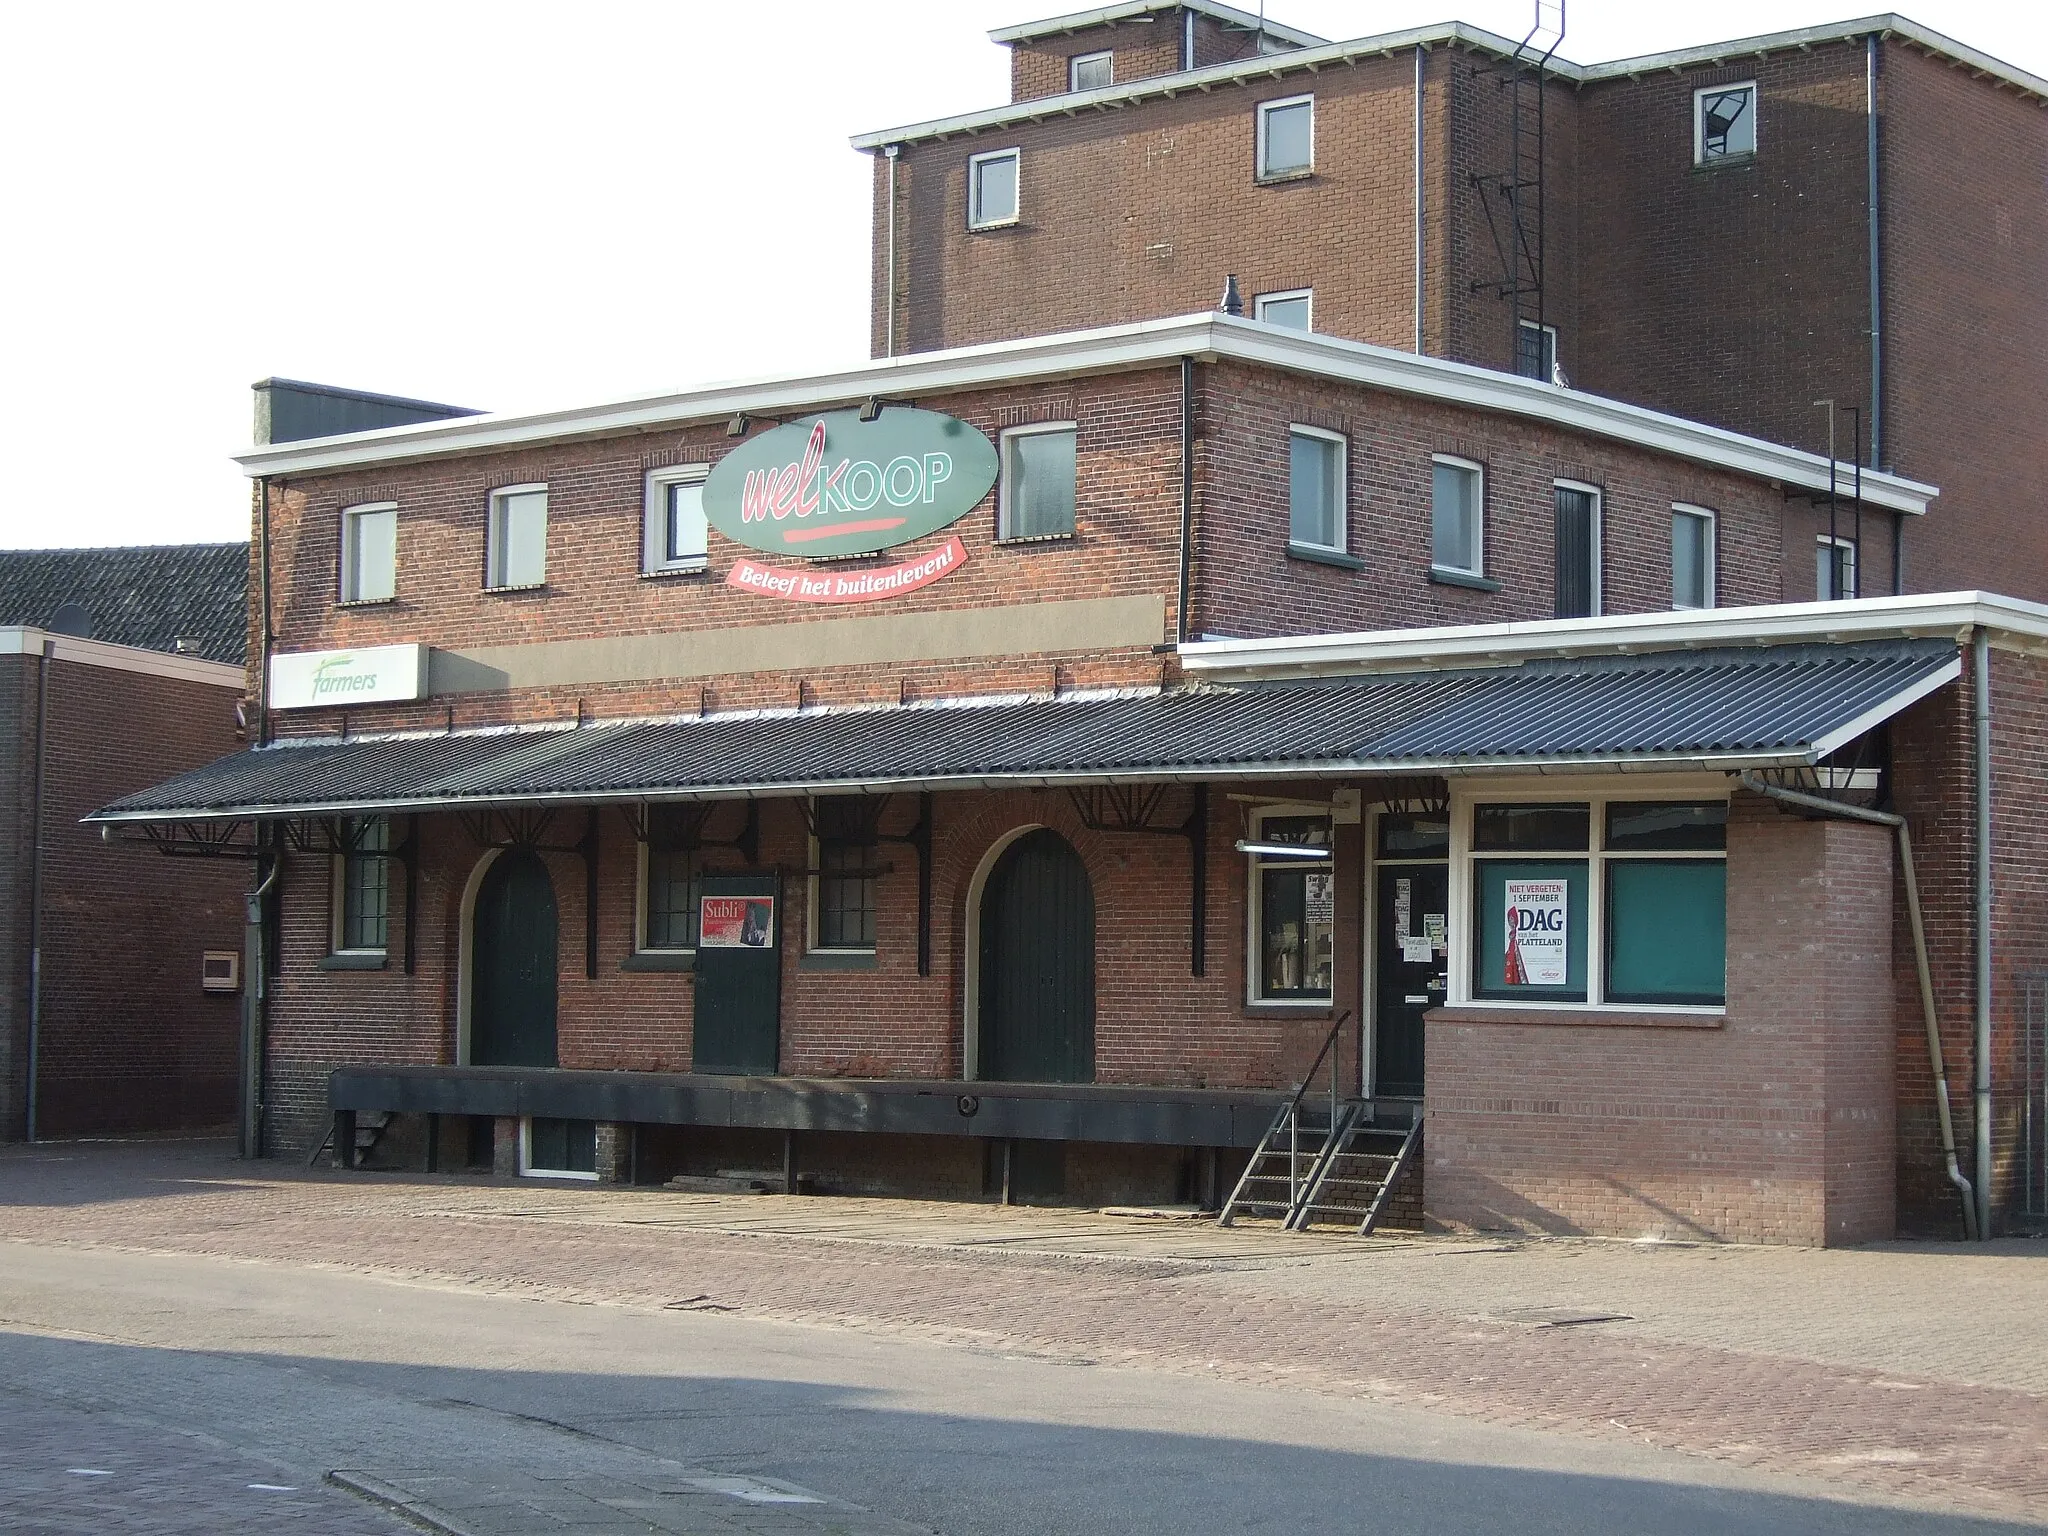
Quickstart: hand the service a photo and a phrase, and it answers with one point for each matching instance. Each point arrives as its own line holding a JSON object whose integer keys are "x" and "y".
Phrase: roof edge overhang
{"x": 27, "y": 640}
{"x": 1205, "y": 336}
{"x": 1130, "y": 10}
{"x": 2014, "y": 623}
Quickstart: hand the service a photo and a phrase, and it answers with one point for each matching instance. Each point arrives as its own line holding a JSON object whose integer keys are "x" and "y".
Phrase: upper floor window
{"x": 516, "y": 543}
{"x": 675, "y": 538}
{"x": 1091, "y": 71}
{"x": 1287, "y": 137}
{"x": 1536, "y": 351}
{"x": 992, "y": 181}
{"x": 1036, "y": 498}
{"x": 1692, "y": 557}
{"x": 1834, "y": 569}
{"x": 369, "y": 552}
{"x": 1294, "y": 308}
{"x": 843, "y": 891}
{"x": 1578, "y": 550}
{"x": 1723, "y": 123}
{"x": 362, "y": 887}
{"x": 1315, "y": 488}
{"x": 1293, "y": 907}
{"x": 1457, "y": 516}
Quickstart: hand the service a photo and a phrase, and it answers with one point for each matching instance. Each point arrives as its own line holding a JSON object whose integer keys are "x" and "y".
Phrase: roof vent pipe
{"x": 1232, "y": 302}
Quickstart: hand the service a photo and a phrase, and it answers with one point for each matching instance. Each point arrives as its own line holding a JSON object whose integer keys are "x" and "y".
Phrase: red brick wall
{"x": 17, "y": 780}
{"x": 1775, "y": 1127}
{"x": 1143, "y": 48}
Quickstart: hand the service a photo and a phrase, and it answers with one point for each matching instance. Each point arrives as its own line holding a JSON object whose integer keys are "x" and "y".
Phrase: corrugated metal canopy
{"x": 1732, "y": 708}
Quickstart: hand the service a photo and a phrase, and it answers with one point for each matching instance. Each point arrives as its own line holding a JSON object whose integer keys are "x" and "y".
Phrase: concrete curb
{"x": 389, "y": 1496}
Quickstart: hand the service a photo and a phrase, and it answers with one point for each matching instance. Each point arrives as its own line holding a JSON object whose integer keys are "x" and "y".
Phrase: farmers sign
{"x": 836, "y": 485}
{"x": 370, "y": 674}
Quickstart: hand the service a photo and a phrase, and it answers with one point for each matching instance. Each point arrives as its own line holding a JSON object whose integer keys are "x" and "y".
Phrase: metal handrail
{"x": 1293, "y": 1110}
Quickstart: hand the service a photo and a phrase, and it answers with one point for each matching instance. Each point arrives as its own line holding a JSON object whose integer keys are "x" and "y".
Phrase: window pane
{"x": 1690, "y": 542}
{"x": 365, "y": 885}
{"x": 1660, "y": 827}
{"x": 1531, "y": 828}
{"x": 1542, "y": 956}
{"x": 1289, "y": 135}
{"x": 1667, "y": 931}
{"x": 1535, "y": 351}
{"x": 1578, "y": 553}
{"x": 684, "y": 523}
{"x": 1296, "y": 921}
{"x": 673, "y": 885}
{"x": 1315, "y": 496}
{"x": 995, "y": 190}
{"x": 1308, "y": 831}
{"x": 520, "y": 526}
{"x": 1834, "y": 570}
{"x": 1727, "y": 123}
{"x": 1039, "y": 498}
{"x": 846, "y": 886}
{"x": 370, "y": 562}
{"x": 1093, "y": 72}
{"x": 1413, "y": 837}
{"x": 1454, "y": 518}
{"x": 1288, "y": 312}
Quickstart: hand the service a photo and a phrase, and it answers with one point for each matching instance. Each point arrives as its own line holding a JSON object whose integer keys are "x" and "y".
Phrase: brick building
{"x": 1023, "y": 764}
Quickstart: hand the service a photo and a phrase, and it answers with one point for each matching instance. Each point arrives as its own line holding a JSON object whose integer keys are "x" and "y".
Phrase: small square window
{"x": 1293, "y": 309}
{"x": 1724, "y": 123}
{"x": 1457, "y": 501}
{"x": 369, "y": 553}
{"x": 516, "y": 552}
{"x": 1091, "y": 71}
{"x": 1536, "y": 351}
{"x": 1315, "y": 488}
{"x": 1834, "y": 569}
{"x": 675, "y": 538}
{"x": 1036, "y": 500}
{"x": 1692, "y": 557}
{"x": 992, "y": 182}
{"x": 1287, "y": 138}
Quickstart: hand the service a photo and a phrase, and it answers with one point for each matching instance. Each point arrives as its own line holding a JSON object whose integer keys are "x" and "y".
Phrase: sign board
{"x": 836, "y": 485}
{"x": 864, "y": 586}
{"x": 736, "y": 922}
{"x": 1537, "y": 927}
{"x": 370, "y": 674}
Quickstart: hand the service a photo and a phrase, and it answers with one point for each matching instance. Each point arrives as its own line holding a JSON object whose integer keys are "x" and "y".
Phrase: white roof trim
{"x": 22, "y": 640}
{"x": 1149, "y": 343}
{"x": 2019, "y": 624}
{"x": 1454, "y": 35}
{"x": 1103, "y": 15}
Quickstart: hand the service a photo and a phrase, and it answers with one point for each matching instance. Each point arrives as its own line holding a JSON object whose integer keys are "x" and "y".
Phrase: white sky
{"x": 500, "y": 203}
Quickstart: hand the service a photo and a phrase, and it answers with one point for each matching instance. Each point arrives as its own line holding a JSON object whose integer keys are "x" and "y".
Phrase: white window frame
{"x": 494, "y": 537}
{"x": 812, "y": 889}
{"x": 1254, "y": 865}
{"x": 1301, "y": 429}
{"x": 1284, "y": 296}
{"x": 349, "y": 587}
{"x": 1074, "y": 69}
{"x": 1712, "y": 573}
{"x": 1852, "y": 576}
{"x": 1595, "y": 794}
{"x": 654, "y": 559}
{"x": 1003, "y": 495}
{"x": 1599, "y": 536}
{"x": 526, "y": 1168}
{"x": 1264, "y": 110}
{"x": 1550, "y": 336}
{"x": 974, "y": 164}
{"x": 1699, "y": 122}
{"x": 1478, "y": 513}
{"x": 337, "y": 904}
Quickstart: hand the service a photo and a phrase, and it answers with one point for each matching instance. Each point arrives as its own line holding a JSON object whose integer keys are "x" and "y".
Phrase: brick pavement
{"x": 1862, "y": 1404}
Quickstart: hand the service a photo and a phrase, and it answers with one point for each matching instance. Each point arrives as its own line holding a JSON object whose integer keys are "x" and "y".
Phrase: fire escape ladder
{"x": 1513, "y": 198}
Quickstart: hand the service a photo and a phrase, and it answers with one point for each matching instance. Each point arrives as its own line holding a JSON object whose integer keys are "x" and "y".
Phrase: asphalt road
{"x": 276, "y": 1374}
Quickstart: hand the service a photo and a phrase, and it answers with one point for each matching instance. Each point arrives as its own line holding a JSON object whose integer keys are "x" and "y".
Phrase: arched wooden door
{"x": 1036, "y": 1004}
{"x": 512, "y": 993}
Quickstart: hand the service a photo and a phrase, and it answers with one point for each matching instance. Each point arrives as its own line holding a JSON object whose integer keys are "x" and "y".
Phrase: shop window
{"x": 558, "y": 1149}
{"x": 1536, "y": 351}
{"x": 369, "y": 553}
{"x": 1091, "y": 71}
{"x": 1457, "y": 502}
{"x": 1036, "y": 500}
{"x": 1692, "y": 557}
{"x": 1315, "y": 488}
{"x": 1834, "y": 568}
{"x": 516, "y": 542}
{"x": 362, "y": 887}
{"x": 1293, "y": 908}
{"x": 674, "y": 881}
{"x": 992, "y": 188}
{"x": 1294, "y": 309}
{"x": 675, "y": 528}
{"x": 1577, "y": 550}
{"x": 1287, "y": 138}
{"x": 1724, "y": 123}
{"x": 844, "y": 887}
{"x": 1615, "y": 902}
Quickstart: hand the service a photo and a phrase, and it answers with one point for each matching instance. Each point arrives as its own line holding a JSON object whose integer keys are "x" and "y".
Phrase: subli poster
{"x": 736, "y": 922}
{"x": 1537, "y": 927}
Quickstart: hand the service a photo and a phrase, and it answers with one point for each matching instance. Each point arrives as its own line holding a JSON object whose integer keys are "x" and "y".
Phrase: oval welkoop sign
{"x": 837, "y": 485}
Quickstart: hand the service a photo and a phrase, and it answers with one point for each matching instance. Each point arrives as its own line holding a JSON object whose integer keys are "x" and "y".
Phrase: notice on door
{"x": 1319, "y": 897}
{"x": 736, "y": 922}
{"x": 1536, "y": 934}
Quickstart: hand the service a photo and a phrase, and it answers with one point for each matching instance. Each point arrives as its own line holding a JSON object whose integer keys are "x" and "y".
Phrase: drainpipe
{"x": 1919, "y": 926}
{"x": 263, "y": 629}
{"x": 35, "y": 888}
{"x": 1876, "y": 290}
{"x": 1187, "y": 492}
{"x": 1418, "y": 199}
{"x": 1187, "y": 38}
{"x": 1980, "y": 646}
{"x": 255, "y": 989}
{"x": 889, "y": 153}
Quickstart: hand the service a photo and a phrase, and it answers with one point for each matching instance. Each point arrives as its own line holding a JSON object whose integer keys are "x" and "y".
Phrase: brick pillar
{"x": 505, "y": 1147}
{"x": 614, "y": 1152}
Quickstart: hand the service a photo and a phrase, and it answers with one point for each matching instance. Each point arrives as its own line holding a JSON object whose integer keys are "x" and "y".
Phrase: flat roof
{"x": 1472, "y": 39}
{"x": 1131, "y": 10}
{"x": 1205, "y": 337}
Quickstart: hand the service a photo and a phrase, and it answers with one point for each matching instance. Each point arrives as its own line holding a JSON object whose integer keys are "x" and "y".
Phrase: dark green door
{"x": 1037, "y": 983}
{"x": 738, "y": 1024}
{"x": 1412, "y": 903}
{"x": 512, "y": 1002}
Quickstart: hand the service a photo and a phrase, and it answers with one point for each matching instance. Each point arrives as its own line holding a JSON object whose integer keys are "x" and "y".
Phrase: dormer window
{"x": 1091, "y": 71}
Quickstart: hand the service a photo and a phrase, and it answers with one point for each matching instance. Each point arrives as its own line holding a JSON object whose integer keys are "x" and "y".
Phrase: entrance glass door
{"x": 1411, "y": 953}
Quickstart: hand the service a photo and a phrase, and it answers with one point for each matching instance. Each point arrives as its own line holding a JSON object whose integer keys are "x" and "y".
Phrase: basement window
{"x": 1286, "y": 138}
{"x": 992, "y": 188}
{"x": 1091, "y": 71}
{"x": 558, "y": 1149}
{"x": 1724, "y": 123}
